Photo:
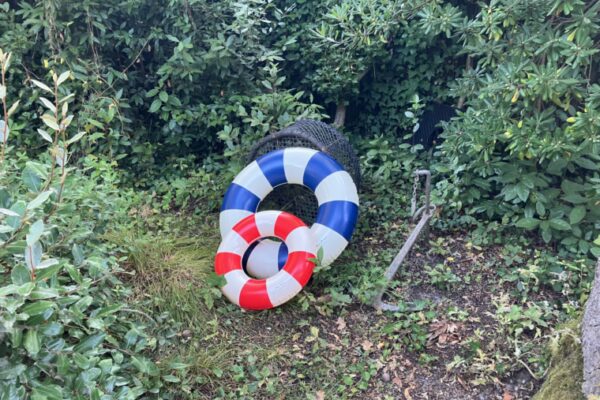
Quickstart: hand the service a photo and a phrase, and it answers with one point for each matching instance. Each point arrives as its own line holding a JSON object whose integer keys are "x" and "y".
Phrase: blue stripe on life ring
{"x": 239, "y": 198}
{"x": 271, "y": 165}
{"x": 340, "y": 216}
{"x": 247, "y": 255}
{"x": 282, "y": 255}
{"x": 319, "y": 167}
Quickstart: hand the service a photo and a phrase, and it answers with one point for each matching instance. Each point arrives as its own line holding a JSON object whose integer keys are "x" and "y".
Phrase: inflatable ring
{"x": 260, "y": 294}
{"x": 333, "y": 187}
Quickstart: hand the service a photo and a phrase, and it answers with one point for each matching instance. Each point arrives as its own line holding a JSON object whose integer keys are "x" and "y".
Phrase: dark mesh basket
{"x": 297, "y": 199}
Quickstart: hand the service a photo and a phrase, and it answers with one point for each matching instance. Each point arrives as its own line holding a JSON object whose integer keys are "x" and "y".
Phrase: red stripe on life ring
{"x": 285, "y": 224}
{"x": 247, "y": 229}
{"x": 226, "y": 262}
{"x": 254, "y": 295}
{"x": 299, "y": 266}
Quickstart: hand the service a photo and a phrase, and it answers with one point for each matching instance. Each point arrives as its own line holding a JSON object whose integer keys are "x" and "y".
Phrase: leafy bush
{"x": 65, "y": 328}
{"x": 525, "y": 151}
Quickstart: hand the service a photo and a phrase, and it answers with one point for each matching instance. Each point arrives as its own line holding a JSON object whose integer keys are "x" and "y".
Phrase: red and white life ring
{"x": 260, "y": 294}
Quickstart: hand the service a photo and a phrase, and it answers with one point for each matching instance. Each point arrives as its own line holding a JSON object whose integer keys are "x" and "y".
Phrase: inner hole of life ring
{"x": 252, "y": 246}
{"x": 295, "y": 199}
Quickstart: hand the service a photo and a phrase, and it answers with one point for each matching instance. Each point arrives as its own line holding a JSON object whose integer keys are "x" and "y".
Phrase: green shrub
{"x": 526, "y": 150}
{"x": 65, "y": 328}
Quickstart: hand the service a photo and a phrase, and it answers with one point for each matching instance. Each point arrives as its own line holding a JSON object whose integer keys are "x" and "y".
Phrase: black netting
{"x": 297, "y": 199}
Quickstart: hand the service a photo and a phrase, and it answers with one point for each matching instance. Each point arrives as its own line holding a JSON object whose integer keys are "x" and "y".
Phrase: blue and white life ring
{"x": 333, "y": 187}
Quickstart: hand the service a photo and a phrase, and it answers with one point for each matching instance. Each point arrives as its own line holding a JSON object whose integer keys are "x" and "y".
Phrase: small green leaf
{"x": 43, "y": 293}
{"x": 32, "y": 342}
{"x": 77, "y": 137}
{"x": 63, "y": 77}
{"x": 42, "y": 86}
{"x": 38, "y": 307}
{"x": 48, "y": 104}
{"x": 33, "y": 255}
{"x": 50, "y": 121}
{"x": 585, "y": 163}
{"x": 11, "y": 372}
{"x": 154, "y": 107}
{"x": 47, "y": 263}
{"x": 90, "y": 343}
{"x": 8, "y": 212}
{"x": 39, "y": 200}
{"x": 35, "y": 232}
{"x": 559, "y": 224}
{"x": 577, "y": 214}
{"x": 171, "y": 378}
{"x": 47, "y": 391}
{"x": 13, "y": 108}
{"x": 163, "y": 96}
{"x": 528, "y": 223}
{"x": 20, "y": 275}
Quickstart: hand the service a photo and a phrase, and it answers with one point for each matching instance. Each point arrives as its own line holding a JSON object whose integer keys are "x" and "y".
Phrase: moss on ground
{"x": 566, "y": 373}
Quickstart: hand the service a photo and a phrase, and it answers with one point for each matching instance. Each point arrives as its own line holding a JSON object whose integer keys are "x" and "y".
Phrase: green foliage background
{"x": 167, "y": 96}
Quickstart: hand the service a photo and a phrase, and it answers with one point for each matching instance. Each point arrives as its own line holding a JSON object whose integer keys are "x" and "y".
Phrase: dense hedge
{"x": 167, "y": 84}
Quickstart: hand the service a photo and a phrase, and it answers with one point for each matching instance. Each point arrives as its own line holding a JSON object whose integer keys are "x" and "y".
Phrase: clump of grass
{"x": 174, "y": 274}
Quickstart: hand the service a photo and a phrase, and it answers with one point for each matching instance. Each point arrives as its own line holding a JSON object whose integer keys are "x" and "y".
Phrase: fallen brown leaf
{"x": 507, "y": 396}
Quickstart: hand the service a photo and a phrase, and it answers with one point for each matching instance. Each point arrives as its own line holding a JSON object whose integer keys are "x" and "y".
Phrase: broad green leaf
{"x": 33, "y": 255}
{"x": 32, "y": 180}
{"x": 586, "y": 163}
{"x": 11, "y": 371}
{"x": 20, "y": 275}
{"x": 32, "y": 342}
{"x": 47, "y": 263}
{"x": 8, "y": 290}
{"x": 38, "y": 307}
{"x": 145, "y": 366}
{"x": 8, "y": 212}
{"x": 39, "y": 200}
{"x": 35, "y": 232}
{"x": 528, "y": 223}
{"x": 52, "y": 329}
{"x": 42, "y": 86}
{"x": 45, "y": 135}
{"x": 63, "y": 77}
{"x": 43, "y": 293}
{"x": 48, "y": 104}
{"x": 163, "y": 96}
{"x": 90, "y": 343}
{"x": 13, "y": 108}
{"x": 171, "y": 378}
{"x": 559, "y": 224}
{"x": 48, "y": 391}
{"x": 577, "y": 214}
{"x": 77, "y": 137}
{"x": 155, "y": 106}
{"x": 522, "y": 192}
{"x": 50, "y": 121}
{"x": 66, "y": 121}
